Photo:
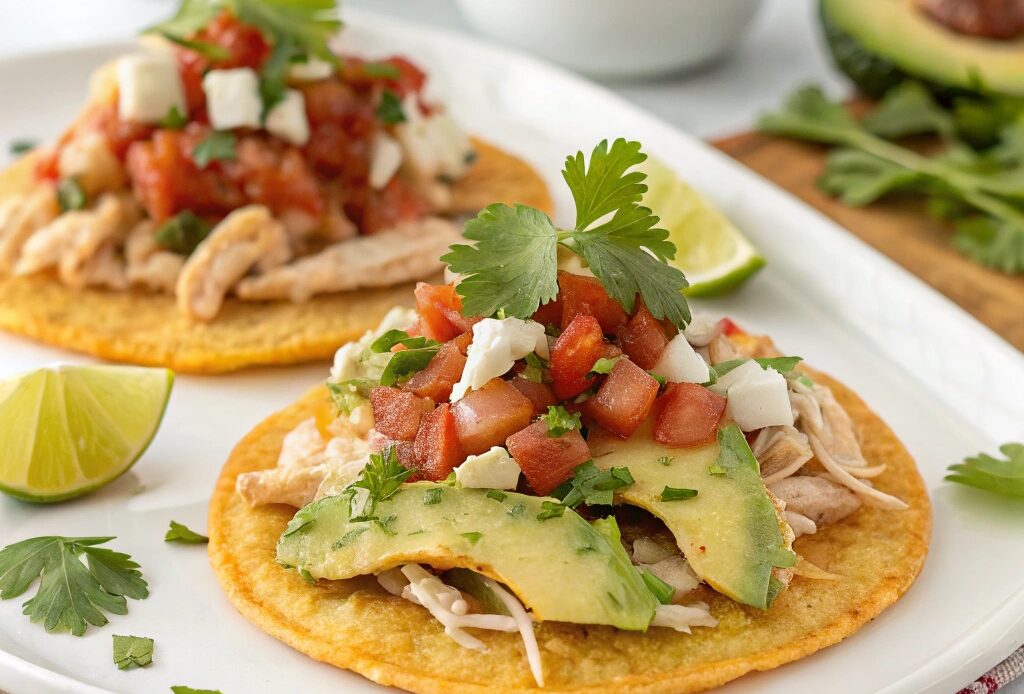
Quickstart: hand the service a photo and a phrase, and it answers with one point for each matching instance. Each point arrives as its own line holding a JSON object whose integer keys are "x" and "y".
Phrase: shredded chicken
{"x": 73, "y": 239}
{"x": 295, "y": 486}
{"x": 149, "y": 265}
{"x": 801, "y": 525}
{"x": 248, "y": 237}
{"x": 721, "y": 349}
{"x": 302, "y": 446}
{"x": 407, "y": 252}
{"x": 89, "y": 160}
{"x": 683, "y": 617}
{"x": 20, "y": 217}
{"x": 676, "y": 572}
{"x": 816, "y": 498}
{"x": 781, "y": 451}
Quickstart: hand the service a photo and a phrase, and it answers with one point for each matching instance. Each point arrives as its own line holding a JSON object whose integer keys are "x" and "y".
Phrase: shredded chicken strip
{"x": 20, "y": 217}
{"x": 295, "y": 486}
{"x": 149, "y": 265}
{"x": 781, "y": 451}
{"x": 801, "y": 525}
{"x": 89, "y": 160}
{"x": 816, "y": 498}
{"x": 721, "y": 349}
{"x": 869, "y": 494}
{"x": 248, "y": 237}
{"x": 407, "y": 252}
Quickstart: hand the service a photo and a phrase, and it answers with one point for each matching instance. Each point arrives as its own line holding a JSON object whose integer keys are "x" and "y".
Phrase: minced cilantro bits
{"x": 132, "y": 652}
{"x": 551, "y": 509}
{"x": 497, "y": 495}
{"x": 432, "y": 496}
{"x": 674, "y": 494}
{"x": 473, "y": 537}
{"x": 560, "y": 421}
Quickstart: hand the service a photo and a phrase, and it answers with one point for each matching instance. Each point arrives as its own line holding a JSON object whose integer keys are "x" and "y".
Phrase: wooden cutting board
{"x": 900, "y": 228}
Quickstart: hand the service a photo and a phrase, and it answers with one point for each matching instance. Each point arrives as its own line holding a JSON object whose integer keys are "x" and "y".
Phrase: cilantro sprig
{"x": 592, "y": 486}
{"x": 560, "y": 421}
{"x": 513, "y": 264}
{"x": 381, "y": 478}
{"x": 986, "y": 472}
{"x": 71, "y": 594}
{"x": 178, "y": 532}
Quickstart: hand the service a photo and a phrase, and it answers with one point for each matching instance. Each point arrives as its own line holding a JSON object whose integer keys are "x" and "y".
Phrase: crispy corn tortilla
{"x": 145, "y": 328}
{"x": 355, "y": 624}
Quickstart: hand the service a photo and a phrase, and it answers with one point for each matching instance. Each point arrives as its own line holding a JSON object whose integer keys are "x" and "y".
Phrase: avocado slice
{"x": 563, "y": 568}
{"x": 879, "y": 43}
{"x": 730, "y": 531}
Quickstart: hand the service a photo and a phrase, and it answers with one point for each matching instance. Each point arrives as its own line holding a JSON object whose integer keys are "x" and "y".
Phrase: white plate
{"x": 948, "y": 387}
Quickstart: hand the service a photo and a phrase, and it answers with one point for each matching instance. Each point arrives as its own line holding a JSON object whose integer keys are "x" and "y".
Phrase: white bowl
{"x": 616, "y": 38}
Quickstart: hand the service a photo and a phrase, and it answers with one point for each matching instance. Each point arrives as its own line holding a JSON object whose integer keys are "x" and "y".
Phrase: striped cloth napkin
{"x": 999, "y": 676}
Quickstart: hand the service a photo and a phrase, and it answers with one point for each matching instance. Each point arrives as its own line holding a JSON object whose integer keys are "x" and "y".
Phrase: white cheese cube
{"x": 679, "y": 363}
{"x": 434, "y": 145}
{"x": 760, "y": 402}
{"x": 287, "y": 119}
{"x": 311, "y": 70}
{"x": 496, "y": 345}
{"x": 386, "y": 159}
{"x": 700, "y": 331}
{"x": 749, "y": 370}
{"x": 233, "y": 98}
{"x": 149, "y": 86}
{"x": 495, "y": 469}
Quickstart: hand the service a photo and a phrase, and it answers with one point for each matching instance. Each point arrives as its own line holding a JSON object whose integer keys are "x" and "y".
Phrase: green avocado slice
{"x": 878, "y": 43}
{"x": 730, "y": 531}
{"x": 563, "y": 568}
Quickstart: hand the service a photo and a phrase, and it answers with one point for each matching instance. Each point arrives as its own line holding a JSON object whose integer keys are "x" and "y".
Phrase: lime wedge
{"x": 710, "y": 250}
{"x": 68, "y": 430}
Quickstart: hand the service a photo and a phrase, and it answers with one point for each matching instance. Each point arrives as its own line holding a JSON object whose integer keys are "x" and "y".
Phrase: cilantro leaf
{"x": 473, "y": 537}
{"x": 909, "y": 109}
{"x": 180, "y": 533}
{"x": 406, "y": 362}
{"x": 783, "y": 365}
{"x": 661, "y": 590}
{"x": 604, "y": 365}
{"x": 604, "y": 186}
{"x": 513, "y": 266}
{"x": 393, "y": 337}
{"x": 213, "y": 51}
{"x": 381, "y": 478}
{"x": 219, "y": 145}
{"x": 309, "y": 24}
{"x": 18, "y": 147}
{"x": 592, "y": 486}
{"x": 174, "y": 120}
{"x": 350, "y": 394}
{"x": 70, "y": 195}
{"x": 192, "y": 15}
{"x": 560, "y": 421}
{"x": 535, "y": 368}
{"x": 183, "y": 232}
{"x": 131, "y": 652}
{"x": 433, "y": 496}
{"x": 71, "y": 594}
{"x": 549, "y": 509}
{"x": 993, "y": 474}
{"x": 675, "y": 494}
{"x": 389, "y": 110}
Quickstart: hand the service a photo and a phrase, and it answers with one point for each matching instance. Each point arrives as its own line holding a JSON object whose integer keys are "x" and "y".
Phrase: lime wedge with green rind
{"x": 68, "y": 430}
{"x": 710, "y": 250}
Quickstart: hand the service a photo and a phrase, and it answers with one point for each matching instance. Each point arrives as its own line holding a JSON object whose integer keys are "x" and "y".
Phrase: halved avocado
{"x": 879, "y": 43}
{"x": 730, "y": 531}
{"x": 563, "y": 568}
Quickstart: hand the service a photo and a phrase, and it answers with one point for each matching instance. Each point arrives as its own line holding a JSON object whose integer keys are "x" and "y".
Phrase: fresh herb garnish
{"x": 716, "y": 469}
{"x": 992, "y": 474}
{"x": 381, "y": 478}
{"x": 560, "y": 421}
{"x": 980, "y": 192}
{"x": 781, "y": 364}
{"x": 550, "y": 509}
{"x": 182, "y": 689}
{"x": 385, "y": 342}
{"x": 535, "y": 367}
{"x": 604, "y": 365}
{"x": 219, "y": 145}
{"x": 183, "y": 232}
{"x": 348, "y": 537}
{"x": 496, "y": 495}
{"x": 389, "y": 110}
{"x": 179, "y": 533}
{"x": 666, "y": 460}
{"x": 381, "y": 71}
{"x": 513, "y": 264}
{"x": 677, "y": 494}
{"x": 406, "y": 362}
{"x": 70, "y": 195}
{"x": 131, "y": 652}
{"x": 174, "y": 120}
{"x": 18, "y": 147}
{"x": 350, "y": 394}
{"x": 71, "y": 594}
{"x": 432, "y": 496}
{"x": 473, "y": 537}
{"x": 661, "y": 590}
{"x": 592, "y": 486}
{"x": 660, "y": 379}
{"x": 213, "y": 51}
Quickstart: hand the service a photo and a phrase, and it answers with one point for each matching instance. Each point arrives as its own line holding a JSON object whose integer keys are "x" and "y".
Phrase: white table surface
{"x": 782, "y": 50}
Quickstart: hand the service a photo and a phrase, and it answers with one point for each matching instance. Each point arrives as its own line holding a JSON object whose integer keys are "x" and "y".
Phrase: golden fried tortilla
{"x": 144, "y": 328}
{"x": 355, "y": 624}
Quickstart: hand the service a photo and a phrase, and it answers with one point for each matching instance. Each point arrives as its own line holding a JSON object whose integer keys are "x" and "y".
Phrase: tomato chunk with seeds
{"x": 486, "y": 417}
{"x": 729, "y": 328}
{"x": 547, "y": 461}
{"x": 643, "y": 338}
{"x": 438, "y": 450}
{"x": 573, "y": 356}
{"x": 396, "y": 414}
{"x": 624, "y": 400}
{"x": 549, "y": 313}
{"x": 540, "y": 394}
{"x": 687, "y": 414}
{"x": 587, "y": 296}
{"x": 440, "y": 310}
{"x": 442, "y": 373}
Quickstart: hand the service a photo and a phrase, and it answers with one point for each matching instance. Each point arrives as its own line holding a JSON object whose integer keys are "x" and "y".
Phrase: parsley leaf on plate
{"x": 592, "y": 486}
{"x": 993, "y": 474}
{"x": 132, "y": 651}
{"x": 560, "y": 421}
{"x": 71, "y": 594}
{"x": 180, "y": 533}
{"x": 183, "y": 232}
{"x": 219, "y": 145}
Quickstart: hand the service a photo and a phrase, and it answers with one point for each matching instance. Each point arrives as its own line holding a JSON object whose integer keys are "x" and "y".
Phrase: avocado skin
{"x": 873, "y": 74}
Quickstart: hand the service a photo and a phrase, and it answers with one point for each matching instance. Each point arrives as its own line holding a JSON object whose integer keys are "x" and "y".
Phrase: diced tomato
{"x": 547, "y": 461}
{"x": 586, "y": 295}
{"x": 549, "y": 313}
{"x": 687, "y": 414}
{"x": 397, "y": 202}
{"x": 404, "y": 450}
{"x": 488, "y": 416}
{"x": 730, "y": 328}
{"x": 440, "y": 310}
{"x": 438, "y": 450}
{"x": 573, "y": 356}
{"x": 410, "y": 78}
{"x": 643, "y": 338}
{"x": 610, "y": 351}
{"x": 443, "y": 372}
{"x": 624, "y": 400}
{"x": 464, "y": 340}
{"x": 540, "y": 394}
{"x": 396, "y": 413}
